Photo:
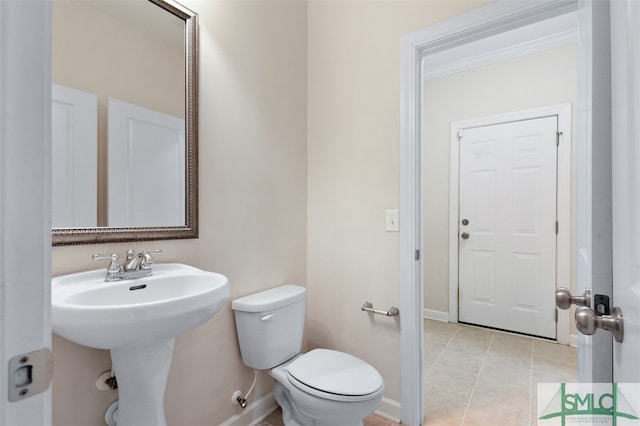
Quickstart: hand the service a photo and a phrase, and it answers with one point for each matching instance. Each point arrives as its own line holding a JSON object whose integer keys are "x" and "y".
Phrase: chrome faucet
{"x": 135, "y": 266}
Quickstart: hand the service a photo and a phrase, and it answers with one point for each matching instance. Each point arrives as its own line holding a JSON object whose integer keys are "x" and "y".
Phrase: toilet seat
{"x": 335, "y": 376}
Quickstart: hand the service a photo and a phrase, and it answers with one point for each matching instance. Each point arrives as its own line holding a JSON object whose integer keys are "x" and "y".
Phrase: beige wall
{"x": 537, "y": 80}
{"x": 133, "y": 52}
{"x": 252, "y": 208}
{"x": 299, "y": 142}
{"x": 354, "y": 99}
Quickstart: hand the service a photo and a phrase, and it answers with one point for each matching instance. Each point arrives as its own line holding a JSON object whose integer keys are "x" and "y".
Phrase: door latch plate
{"x": 30, "y": 374}
{"x": 601, "y": 304}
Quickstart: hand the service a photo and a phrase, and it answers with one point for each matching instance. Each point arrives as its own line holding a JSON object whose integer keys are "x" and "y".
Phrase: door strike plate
{"x": 601, "y": 304}
{"x": 30, "y": 374}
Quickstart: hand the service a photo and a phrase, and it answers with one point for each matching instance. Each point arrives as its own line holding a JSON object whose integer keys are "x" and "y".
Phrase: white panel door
{"x": 593, "y": 177}
{"x": 626, "y": 186}
{"x": 507, "y": 259}
{"x": 609, "y": 233}
{"x": 74, "y": 174}
{"x": 146, "y": 167}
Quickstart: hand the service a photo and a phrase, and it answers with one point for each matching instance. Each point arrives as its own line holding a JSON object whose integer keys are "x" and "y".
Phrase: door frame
{"x": 25, "y": 216}
{"x": 563, "y": 200}
{"x": 494, "y": 18}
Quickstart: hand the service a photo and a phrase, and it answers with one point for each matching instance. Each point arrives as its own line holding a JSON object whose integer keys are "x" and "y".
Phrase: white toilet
{"x": 321, "y": 387}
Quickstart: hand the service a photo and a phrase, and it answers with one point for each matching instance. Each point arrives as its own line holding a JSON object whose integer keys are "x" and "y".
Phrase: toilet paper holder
{"x": 368, "y": 307}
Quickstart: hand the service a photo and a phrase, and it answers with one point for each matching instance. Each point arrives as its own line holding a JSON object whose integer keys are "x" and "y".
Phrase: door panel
{"x": 74, "y": 182}
{"x": 146, "y": 167}
{"x": 609, "y": 230}
{"x": 508, "y": 194}
{"x": 593, "y": 180}
{"x": 626, "y": 186}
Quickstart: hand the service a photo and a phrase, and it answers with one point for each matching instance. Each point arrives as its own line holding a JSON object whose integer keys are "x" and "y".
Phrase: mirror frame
{"x": 78, "y": 236}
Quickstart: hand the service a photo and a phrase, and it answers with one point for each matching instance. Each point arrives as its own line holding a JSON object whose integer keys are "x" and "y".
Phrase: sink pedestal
{"x": 142, "y": 374}
{"x": 138, "y": 320}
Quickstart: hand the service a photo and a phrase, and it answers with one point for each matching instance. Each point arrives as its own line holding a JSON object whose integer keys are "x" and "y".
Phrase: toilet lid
{"x": 336, "y": 373}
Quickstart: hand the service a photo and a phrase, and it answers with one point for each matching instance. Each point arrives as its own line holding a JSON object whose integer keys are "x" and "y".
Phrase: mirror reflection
{"x": 118, "y": 115}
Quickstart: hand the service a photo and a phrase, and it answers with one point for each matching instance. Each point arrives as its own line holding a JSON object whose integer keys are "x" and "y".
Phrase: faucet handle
{"x": 148, "y": 258}
{"x": 114, "y": 265}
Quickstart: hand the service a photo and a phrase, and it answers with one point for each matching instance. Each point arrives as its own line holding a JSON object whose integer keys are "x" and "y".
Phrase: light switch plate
{"x": 391, "y": 221}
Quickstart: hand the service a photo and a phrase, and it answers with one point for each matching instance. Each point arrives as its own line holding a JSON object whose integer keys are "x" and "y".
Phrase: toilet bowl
{"x": 325, "y": 387}
{"x": 321, "y": 387}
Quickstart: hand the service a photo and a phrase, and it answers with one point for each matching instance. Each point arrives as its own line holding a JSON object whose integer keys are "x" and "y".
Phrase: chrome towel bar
{"x": 392, "y": 312}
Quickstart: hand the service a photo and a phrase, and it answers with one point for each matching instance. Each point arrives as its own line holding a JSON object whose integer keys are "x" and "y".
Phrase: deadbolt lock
{"x": 465, "y": 221}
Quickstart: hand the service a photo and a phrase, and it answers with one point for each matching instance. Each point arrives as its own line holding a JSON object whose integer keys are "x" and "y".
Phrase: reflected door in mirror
{"x": 130, "y": 50}
{"x": 146, "y": 167}
{"x": 74, "y": 157}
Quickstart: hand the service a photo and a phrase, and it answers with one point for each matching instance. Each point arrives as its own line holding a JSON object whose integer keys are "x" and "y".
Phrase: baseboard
{"x": 573, "y": 340}
{"x": 432, "y": 314}
{"x": 254, "y": 413}
{"x": 258, "y": 410}
{"x": 389, "y": 409}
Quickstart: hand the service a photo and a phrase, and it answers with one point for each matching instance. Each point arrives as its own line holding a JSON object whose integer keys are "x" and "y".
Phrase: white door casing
{"x": 146, "y": 167}
{"x": 25, "y": 200}
{"x": 592, "y": 124}
{"x": 507, "y": 212}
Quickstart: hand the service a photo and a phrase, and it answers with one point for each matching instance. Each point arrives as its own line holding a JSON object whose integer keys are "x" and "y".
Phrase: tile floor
{"x": 275, "y": 419}
{"x": 475, "y": 376}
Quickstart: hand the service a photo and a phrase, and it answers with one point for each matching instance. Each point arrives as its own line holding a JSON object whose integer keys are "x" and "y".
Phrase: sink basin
{"x": 138, "y": 321}
{"x": 106, "y": 315}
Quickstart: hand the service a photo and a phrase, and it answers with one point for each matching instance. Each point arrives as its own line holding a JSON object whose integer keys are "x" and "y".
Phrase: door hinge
{"x": 557, "y": 227}
{"x": 460, "y": 133}
{"x": 558, "y": 134}
{"x": 417, "y": 255}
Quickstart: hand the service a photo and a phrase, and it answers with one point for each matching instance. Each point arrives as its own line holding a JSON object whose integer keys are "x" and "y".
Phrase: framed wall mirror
{"x": 124, "y": 121}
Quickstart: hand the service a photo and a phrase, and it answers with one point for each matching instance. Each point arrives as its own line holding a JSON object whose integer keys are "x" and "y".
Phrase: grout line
{"x": 531, "y": 420}
{"x": 530, "y": 383}
{"x": 441, "y": 352}
{"x": 473, "y": 389}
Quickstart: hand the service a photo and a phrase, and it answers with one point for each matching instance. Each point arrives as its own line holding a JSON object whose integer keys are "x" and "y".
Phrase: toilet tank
{"x": 270, "y": 325}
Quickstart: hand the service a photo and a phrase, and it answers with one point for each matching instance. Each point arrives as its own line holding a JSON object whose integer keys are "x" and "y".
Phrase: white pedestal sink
{"x": 137, "y": 320}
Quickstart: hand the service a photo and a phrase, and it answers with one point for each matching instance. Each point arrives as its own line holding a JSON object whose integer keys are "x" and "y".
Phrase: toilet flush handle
{"x": 266, "y": 317}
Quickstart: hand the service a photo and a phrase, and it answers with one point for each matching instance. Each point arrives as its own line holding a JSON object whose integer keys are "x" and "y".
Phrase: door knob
{"x": 564, "y": 298}
{"x": 465, "y": 235}
{"x": 588, "y": 322}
